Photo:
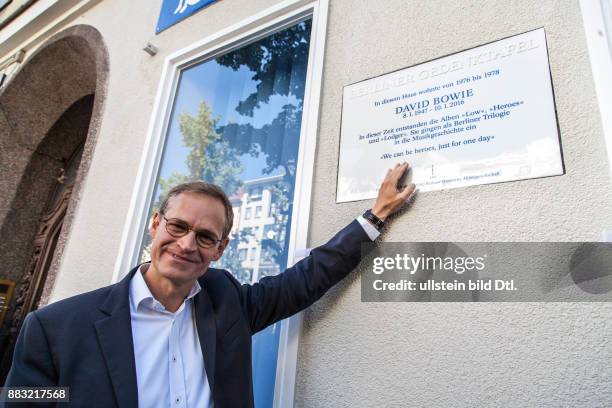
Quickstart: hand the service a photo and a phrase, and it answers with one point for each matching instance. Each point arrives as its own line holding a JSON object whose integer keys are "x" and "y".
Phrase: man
{"x": 175, "y": 332}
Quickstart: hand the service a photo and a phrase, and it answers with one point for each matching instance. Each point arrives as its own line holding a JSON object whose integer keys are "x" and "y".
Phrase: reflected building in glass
{"x": 258, "y": 217}
{"x": 236, "y": 122}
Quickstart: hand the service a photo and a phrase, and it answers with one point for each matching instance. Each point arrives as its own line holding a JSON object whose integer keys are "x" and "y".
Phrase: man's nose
{"x": 188, "y": 242}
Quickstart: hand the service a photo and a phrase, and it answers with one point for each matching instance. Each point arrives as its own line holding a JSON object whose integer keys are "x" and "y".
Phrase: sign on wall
{"x": 485, "y": 115}
{"x": 173, "y": 11}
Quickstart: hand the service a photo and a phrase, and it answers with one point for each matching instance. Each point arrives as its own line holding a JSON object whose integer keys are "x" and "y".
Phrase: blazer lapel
{"x": 115, "y": 337}
{"x": 207, "y": 332}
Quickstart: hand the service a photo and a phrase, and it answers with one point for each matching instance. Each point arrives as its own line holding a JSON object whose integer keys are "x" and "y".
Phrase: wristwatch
{"x": 377, "y": 222}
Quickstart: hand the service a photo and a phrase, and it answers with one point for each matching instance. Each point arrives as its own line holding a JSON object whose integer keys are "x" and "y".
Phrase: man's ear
{"x": 222, "y": 245}
{"x": 154, "y": 224}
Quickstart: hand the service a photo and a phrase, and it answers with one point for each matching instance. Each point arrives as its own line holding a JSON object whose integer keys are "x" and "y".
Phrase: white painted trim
{"x": 136, "y": 220}
{"x": 600, "y": 53}
{"x": 37, "y": 21}
{"x": 256, "y": 26}
{"x": 286, "y": 369}
{"x": 259, "y": 25}
{"x": 21, "y": 21}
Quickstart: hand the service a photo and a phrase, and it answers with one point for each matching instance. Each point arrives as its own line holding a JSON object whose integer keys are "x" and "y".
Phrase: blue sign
{"x": 173, "y": 11}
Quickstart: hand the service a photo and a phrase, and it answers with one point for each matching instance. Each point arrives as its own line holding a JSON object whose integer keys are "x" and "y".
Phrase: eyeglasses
{"x": 179, "y": 228}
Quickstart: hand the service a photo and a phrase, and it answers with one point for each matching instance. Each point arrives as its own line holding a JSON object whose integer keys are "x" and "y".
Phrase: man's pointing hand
{"x": 391, "y": 196}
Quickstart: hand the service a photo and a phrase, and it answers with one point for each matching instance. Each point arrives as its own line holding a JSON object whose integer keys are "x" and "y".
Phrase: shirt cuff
{"x": 372, "y": 232}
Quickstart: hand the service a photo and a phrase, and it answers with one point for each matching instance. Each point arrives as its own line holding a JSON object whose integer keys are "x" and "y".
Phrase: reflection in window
{"x": 236, "y": 122}
{"x": 256, "y": 192}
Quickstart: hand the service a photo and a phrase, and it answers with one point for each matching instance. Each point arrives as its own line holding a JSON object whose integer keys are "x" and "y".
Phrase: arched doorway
{"x": 49, "y": 119}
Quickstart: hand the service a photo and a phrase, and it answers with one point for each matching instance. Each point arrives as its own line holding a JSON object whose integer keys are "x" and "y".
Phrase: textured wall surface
{"x": 355, "y": 354}
{"x": 126, "y": 27}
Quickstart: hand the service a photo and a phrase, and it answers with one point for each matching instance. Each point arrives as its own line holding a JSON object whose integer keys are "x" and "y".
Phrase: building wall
{"x": 367, "y": 354}
{"x": 89, "y": 258}
{"x": 451, "y": 354}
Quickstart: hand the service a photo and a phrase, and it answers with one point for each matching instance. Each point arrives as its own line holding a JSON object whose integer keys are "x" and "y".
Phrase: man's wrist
{"x": 369, "y": 229}
{"x": 374, "y": 219}
{"x": 380, "y": 213}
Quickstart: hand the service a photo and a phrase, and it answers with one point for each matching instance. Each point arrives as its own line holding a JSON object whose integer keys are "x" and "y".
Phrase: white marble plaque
{"x": 485, "y": 115}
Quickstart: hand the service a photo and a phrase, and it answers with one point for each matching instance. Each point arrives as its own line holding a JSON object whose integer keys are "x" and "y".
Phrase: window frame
{"x": 275, "y": 18}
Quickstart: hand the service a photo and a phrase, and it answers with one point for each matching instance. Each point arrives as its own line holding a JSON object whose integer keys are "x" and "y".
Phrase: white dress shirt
{"x": 169, "y": 364}
{"x": 371, "y": 230}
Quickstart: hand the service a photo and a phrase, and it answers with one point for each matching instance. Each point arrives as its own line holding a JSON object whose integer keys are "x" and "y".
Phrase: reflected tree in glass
{"x": 279, "y": 64}
{"x": 206, "y": 142}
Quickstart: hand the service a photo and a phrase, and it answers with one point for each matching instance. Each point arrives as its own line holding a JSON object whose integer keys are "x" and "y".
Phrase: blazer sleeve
{"x": 32, "y": 361}
{"x": 276, "y": 297}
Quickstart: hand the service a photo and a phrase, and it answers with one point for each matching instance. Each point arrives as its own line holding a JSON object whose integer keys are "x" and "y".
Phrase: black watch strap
{"x": 377, "y": 222}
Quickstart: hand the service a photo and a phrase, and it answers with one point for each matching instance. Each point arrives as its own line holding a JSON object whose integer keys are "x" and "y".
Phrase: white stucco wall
{"x": 451, "y": 354}
{"x": 355, "y": 354}
{"x": 126, "y": 27}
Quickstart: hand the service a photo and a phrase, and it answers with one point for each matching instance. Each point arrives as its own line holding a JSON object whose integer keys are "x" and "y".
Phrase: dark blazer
{"x": 85, "y": 342}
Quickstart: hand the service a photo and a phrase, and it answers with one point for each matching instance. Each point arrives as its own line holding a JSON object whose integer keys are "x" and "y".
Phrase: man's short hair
{"x": 209, "y": 189}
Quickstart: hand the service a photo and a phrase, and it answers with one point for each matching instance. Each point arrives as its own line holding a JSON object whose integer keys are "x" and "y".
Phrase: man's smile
{"x": 181, "y": 258}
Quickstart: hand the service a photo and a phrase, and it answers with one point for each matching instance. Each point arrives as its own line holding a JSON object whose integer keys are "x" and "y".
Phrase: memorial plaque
{"x": 485, "y": 115}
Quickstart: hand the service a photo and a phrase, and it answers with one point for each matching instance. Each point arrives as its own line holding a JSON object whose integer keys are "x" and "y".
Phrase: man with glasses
{"x": 175, "y": 332}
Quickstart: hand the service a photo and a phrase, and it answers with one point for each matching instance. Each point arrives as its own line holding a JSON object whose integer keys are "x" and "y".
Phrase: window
{"x": 243, "y": 254}
{"x": 162, "y": 142}
{"x": 256, "y": 193}
{"x": 236, "y": 118}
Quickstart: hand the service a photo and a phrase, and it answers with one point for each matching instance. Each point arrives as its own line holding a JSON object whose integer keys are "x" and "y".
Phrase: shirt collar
{"x": 139, "y": 291}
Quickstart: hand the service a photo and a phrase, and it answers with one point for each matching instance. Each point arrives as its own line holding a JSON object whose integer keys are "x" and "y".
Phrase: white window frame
{"x": 270, "y": 20}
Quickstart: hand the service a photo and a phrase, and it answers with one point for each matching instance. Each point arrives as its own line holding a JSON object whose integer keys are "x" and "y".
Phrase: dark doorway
{"x": 50, "y": 115}
{"x": 35, "y": 221}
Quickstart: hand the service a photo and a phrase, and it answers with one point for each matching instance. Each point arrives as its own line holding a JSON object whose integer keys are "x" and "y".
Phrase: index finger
{"x": 400, "y": 170}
